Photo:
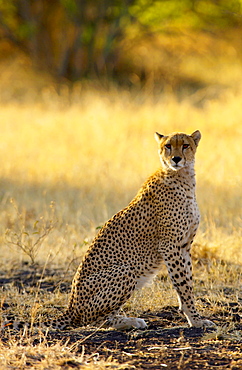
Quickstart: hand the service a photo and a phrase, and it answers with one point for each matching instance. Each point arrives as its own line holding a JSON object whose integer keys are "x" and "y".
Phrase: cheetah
{"x": 159, "y": 224}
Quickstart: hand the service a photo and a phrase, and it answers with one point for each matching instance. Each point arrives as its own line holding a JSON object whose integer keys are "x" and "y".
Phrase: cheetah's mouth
{"x": 176, "y": 166}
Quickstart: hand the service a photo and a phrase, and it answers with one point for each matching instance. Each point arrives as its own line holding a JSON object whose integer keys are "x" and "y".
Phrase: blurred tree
{"x": 83, "y": 38}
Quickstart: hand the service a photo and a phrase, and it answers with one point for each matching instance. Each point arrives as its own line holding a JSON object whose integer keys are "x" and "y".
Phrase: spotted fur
{"x": 158, "y": 224}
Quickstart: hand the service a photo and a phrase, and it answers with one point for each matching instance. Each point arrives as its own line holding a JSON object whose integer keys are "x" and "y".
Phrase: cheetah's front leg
{"x": 178, "y": 263}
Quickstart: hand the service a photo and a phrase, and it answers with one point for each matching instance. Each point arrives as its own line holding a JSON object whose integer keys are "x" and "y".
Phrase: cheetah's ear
{"x": 158, "y": 137}
{"x": 196, "y": 135}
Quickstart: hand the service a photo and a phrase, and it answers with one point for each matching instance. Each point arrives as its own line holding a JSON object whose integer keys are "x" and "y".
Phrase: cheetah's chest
{"x": 178, "y": 214}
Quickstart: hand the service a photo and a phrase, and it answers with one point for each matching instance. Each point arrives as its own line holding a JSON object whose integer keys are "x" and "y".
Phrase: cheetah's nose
{"x": 176, "y": 159}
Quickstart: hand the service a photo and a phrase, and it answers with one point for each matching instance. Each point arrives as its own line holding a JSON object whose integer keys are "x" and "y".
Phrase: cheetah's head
{"x": 177, "y": 150}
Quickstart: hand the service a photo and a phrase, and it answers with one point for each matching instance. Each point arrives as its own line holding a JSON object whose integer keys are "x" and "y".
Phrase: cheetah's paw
{"x": 139, "y": 323}
{"x": 204, "y": 324}
{"x": 208, "y": 323}
{"x": 129, "y": 323}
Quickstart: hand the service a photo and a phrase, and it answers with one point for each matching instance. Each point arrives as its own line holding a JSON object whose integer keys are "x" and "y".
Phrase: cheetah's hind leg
{"x": 98, "y": 297}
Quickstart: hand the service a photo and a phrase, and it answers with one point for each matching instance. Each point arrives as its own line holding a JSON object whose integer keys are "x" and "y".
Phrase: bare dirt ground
{"x": 166, "y": 343}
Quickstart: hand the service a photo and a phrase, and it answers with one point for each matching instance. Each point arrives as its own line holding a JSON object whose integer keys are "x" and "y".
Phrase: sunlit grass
{"x": 91, "y": 156}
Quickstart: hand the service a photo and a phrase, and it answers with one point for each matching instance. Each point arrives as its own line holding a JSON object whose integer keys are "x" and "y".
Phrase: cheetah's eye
{"x": 185, "y": 146}
{"x": 168, "y": 146}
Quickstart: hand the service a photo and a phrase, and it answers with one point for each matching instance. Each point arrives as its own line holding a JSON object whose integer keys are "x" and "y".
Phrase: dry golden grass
{"x": 72, "y": 159}
{"x": 90, "y": 157}
{"x": 24, "y": 353}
